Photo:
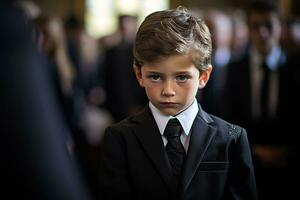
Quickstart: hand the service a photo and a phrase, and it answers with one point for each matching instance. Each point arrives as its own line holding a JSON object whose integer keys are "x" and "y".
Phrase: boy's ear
{"x": 138, "y": 75}
{"x": 204, "y": 76}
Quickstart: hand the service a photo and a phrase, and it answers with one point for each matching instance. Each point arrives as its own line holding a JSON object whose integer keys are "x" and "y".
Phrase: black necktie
{"x": 174, "y": 148}
{"x": 265, "y": 91}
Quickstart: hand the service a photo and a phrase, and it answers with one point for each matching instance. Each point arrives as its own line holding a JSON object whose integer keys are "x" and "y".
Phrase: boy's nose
{"x": 168, "y": 89}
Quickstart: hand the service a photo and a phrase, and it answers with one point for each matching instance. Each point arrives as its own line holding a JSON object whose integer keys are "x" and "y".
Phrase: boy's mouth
{"x": 168, "y": 104}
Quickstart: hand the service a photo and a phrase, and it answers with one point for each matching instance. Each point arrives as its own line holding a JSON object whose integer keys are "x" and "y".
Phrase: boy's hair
{"x": 173, "y": 32}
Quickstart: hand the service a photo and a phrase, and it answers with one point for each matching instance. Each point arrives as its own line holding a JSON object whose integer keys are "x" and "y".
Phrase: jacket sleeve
{"x": 241, "y": 184}
{"x": 114, "y": 173}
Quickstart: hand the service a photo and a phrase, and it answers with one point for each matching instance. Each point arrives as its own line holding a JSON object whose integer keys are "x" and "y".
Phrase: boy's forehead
{"x": 170, "y": 59}
{"x": 171, "y": 63}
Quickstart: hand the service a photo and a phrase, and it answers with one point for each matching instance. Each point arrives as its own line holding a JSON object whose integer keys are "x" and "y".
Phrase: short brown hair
{"x": 173, "y": 32}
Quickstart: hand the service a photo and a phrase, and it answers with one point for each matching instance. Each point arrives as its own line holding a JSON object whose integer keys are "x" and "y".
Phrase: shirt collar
{"x": 186, "y": 118}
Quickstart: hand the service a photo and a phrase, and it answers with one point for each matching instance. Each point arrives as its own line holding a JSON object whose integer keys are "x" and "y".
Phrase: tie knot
{"x": 173, "y": 128}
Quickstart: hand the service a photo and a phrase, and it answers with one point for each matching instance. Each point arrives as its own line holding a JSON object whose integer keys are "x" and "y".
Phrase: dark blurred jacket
{"x": 36, "y": 161}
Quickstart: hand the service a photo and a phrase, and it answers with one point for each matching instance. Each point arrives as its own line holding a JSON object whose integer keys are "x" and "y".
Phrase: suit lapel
{"x": 148, "y": 134}
{"x": 201, "y": 137}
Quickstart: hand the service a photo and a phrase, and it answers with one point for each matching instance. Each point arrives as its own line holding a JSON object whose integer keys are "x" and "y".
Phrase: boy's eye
{"x": 154, "y": 77}
{"x": 182, "y": 78}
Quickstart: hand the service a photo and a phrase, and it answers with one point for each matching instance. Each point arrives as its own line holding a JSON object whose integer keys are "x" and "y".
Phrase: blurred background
{"x": 85, "y": 48}
{"x": 100, "y": 16}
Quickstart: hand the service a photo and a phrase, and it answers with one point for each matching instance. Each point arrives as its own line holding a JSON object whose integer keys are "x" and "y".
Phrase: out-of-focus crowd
{"x": 93, "y": 85}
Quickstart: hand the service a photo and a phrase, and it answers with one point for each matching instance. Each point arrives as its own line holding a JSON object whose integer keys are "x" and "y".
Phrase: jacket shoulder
{"x": 228, "y": 128}
{"x": 121, "y": 125}
{"x": 128, "y": 123}
{"x": 234, "y": 130}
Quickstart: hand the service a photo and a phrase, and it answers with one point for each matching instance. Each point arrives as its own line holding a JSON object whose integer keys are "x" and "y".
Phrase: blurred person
{"x": 124, "y": 96}
{"x": 126, "y": 30}
{"x": 291, "y": 44}
{"x": 240, "y": 34}
{"x": 36, "y": 161}
{"x": 220, "y": 25}
{"x": 259, "y": 97}
{"x": 173, "y": 149}
{"x": 88, "y": 97}
{"x": 213, "y": 96}
{"x": 291, "y": 37}
{"x": 83, "y": 51}
{"x": 45, "y": 45}
{"x": 53, "y": 44}
{"x": 88, "y": 84}
{"x": 71, "y": 73}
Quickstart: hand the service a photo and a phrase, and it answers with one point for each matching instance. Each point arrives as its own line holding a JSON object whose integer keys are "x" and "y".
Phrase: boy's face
{"x": 171, "y": 84}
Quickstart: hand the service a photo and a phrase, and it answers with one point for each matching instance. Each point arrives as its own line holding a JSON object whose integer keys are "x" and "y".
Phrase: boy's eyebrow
{"x": 154, "y": 72}
{"x": 182, "y": 72}
{"x": 175, "y": 73}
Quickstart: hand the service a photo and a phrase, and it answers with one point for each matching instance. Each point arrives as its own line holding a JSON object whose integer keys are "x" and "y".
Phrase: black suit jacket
{"x": 135, "y": 164}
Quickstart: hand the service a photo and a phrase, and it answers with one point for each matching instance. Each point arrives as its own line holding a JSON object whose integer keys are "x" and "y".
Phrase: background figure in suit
{"x": 258, "y": 86}
{"x": 124, "y": 96}
{"x": 37, "y": 163}
{"x": 212, "y": 97}
{"x": 203, "y": 157}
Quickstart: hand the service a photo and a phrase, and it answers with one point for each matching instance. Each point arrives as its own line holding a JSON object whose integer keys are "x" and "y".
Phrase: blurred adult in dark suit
{"x": 262, "y": 98}
{"x": 36, "y": 161}
{"x": 212, "y": 97}
{"x": 124, "y": 95}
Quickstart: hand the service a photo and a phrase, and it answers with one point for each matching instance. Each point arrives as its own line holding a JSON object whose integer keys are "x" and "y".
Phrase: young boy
{"x": 173, "y": 149}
